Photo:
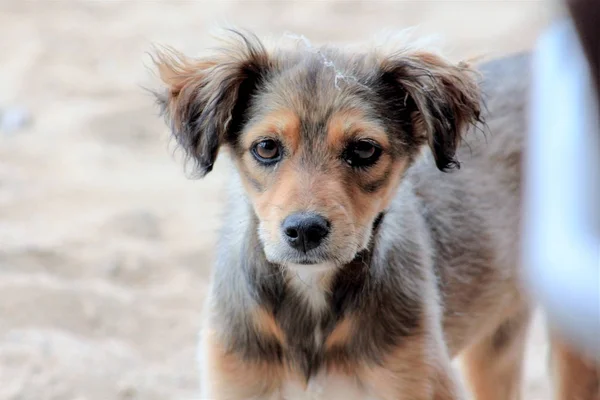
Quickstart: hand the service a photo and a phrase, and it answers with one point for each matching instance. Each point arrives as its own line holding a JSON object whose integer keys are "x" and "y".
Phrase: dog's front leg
{"x": 418, "y": 369}
{"x": 224, "y": 375}
{"x": 447, "y": 385}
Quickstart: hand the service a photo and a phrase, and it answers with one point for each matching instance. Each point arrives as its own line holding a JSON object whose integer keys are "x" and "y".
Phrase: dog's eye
{"x": 362, "y": 153}
{"x": 267, "y": 151}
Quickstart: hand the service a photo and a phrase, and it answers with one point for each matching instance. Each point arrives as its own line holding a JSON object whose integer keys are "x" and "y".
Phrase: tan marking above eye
{"x": 283, "y": 125}
{"x": 353, "y": 125}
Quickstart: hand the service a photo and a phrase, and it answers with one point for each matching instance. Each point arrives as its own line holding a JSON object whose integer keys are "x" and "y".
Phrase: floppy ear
{"x": 444, "y": 97}
{"x": 205, "y": 99}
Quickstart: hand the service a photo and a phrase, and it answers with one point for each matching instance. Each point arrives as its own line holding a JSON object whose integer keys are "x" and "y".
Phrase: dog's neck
{"x": 314, "y": 286}
{"x": 310, "y": 291}
{"x": 311, "y": 283}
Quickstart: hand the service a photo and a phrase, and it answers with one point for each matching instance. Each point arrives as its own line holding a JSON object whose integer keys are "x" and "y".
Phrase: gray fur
{"x": 443, "y": 261}
{"x": 457, "y": 214}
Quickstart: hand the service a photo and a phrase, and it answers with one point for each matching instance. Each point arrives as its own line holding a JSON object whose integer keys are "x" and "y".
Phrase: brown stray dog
{"x": 351, "y": 265}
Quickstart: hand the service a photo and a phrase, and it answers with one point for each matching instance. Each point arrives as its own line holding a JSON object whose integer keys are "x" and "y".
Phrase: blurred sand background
{"x": 105, "y": 246}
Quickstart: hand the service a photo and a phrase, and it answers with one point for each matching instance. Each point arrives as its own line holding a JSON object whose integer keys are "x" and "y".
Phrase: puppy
{"x": 357, "y": 259}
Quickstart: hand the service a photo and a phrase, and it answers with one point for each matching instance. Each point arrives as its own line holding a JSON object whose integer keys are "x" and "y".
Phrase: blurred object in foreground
{"x": 586, "y": 17}
{"x": 562, "y": 187}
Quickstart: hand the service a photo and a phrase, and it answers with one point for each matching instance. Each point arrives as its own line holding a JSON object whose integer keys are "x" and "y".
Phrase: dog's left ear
{"x": 206, "y": 99}
{"x": 442, "y": 98}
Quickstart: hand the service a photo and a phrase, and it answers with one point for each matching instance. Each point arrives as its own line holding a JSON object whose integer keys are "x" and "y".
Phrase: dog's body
{"x": 412, "y": 266}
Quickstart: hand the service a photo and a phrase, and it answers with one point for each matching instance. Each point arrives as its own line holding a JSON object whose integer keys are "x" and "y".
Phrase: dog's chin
{"x": 281, "y": 254}
{"x": 308, "y": 261}
{"x": 302, "y": 262}
{"x": 317, "y": 268}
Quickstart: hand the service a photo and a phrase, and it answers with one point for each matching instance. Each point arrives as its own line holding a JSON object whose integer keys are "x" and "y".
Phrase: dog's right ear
{"x": 205, "y": 100}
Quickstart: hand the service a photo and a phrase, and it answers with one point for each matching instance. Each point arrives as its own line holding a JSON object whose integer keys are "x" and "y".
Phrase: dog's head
{"x": 321, "y": 138}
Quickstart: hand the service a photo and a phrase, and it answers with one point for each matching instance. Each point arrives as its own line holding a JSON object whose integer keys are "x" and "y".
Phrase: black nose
{"x": 305, "y": 231}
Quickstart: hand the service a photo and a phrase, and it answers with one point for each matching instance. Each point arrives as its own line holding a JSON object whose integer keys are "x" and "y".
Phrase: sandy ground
{"x": 105, "y": 246}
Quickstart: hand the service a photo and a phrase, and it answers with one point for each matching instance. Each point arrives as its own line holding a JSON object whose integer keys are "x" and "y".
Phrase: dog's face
{"x": 320, "y": 139}
{"x": 317, "y": 178}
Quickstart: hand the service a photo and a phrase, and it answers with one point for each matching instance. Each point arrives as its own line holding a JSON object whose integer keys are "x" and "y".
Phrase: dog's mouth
{"x": 308, "y": 262}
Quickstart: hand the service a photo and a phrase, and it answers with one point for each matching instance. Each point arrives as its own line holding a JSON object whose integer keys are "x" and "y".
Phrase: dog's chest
{"x": 308, "y": 311}
{"x": 306, "y": 319}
